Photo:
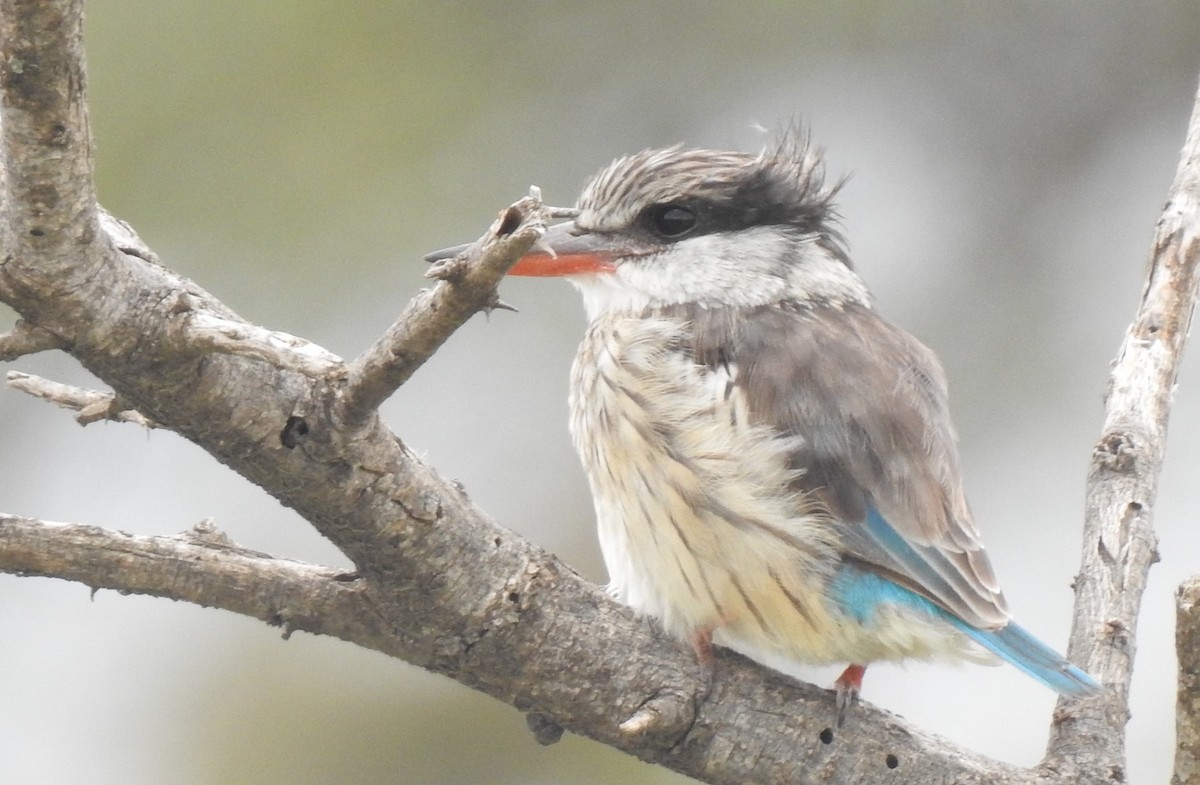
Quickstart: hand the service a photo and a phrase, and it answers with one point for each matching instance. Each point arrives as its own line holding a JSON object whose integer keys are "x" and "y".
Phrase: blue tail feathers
{"x": 1013, "y": 644}
{"x": 860, "y": 594}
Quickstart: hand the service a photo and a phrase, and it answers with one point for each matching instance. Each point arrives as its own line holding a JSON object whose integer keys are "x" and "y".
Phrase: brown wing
{"x": 877, "y": 444}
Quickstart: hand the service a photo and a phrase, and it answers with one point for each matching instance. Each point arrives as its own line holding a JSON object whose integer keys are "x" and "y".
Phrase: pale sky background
{"x": 1007, "y": 161}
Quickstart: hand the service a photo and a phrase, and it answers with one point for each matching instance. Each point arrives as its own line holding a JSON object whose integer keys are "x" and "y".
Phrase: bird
{"x": 770, "y": 460}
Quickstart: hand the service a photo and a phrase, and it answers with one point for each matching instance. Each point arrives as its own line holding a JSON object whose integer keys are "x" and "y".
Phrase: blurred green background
{"x": 1007, "y": 161}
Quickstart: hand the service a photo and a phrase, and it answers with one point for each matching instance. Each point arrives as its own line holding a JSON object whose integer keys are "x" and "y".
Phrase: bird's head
{"x": 706, "y": 227}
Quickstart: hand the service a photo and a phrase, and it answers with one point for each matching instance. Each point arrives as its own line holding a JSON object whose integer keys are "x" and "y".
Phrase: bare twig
{"x": 1118, "y": 540}
{"x": 202, "y": 567}
{"x": 24, "y": 338}
{"x": 467, "y": 285}
{"x": 92, "y": 405}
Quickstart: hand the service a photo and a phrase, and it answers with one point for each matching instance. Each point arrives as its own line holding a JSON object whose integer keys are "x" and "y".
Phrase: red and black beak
{"x": 565, "y": 250}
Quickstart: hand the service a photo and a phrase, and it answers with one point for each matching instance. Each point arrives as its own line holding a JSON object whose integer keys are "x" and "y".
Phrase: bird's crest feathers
{"x": 783, "y": 185}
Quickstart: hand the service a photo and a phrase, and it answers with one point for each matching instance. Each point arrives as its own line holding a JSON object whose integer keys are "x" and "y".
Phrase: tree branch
{"x": 1187, "y": 714}
{"x": 467, "y": 285}
{"x": 25, "y": 339}
{"x": 49, "y": 210}
{"x": 202, "y": 567}
{"x": 92, "y": 405}
{"x": 650, "y": 705}
{"x": 1118, "y": 540}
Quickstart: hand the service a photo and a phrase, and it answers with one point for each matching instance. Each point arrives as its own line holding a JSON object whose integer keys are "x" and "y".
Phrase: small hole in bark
{"x": 892, "y": 761}
{"x": 510, "y": 222}
{"x": 826, "y": 736}
{"x": 514, "y": 597}
{"x": 37, "y": 232}
{"x": 293, "y": 431}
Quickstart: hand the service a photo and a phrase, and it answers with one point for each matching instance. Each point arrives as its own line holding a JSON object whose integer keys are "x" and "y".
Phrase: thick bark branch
{"x": 49, "y": 211}
{"x": 752, "y": 728}
{"x": 1187, "y": 714}
{"x": 1118, "y": 541}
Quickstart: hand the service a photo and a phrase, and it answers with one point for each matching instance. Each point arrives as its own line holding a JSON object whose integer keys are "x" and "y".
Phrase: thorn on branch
{"x": 496, "y": 304}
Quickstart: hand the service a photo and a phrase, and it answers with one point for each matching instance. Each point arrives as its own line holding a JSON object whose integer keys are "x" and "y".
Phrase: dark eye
{"x": 671, "y": 221}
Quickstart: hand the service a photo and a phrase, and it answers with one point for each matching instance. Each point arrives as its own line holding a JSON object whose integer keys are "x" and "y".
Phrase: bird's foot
{"x": 702, "y": 645}
{"x": 847, "y": 687}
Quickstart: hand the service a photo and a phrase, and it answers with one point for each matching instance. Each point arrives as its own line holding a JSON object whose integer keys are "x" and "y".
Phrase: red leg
{"x": 848, "y": 686}
{"x": 701, "y": 642}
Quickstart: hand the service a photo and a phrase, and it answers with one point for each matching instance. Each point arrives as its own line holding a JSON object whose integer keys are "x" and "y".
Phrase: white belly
{"x": 696, "y": 522}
